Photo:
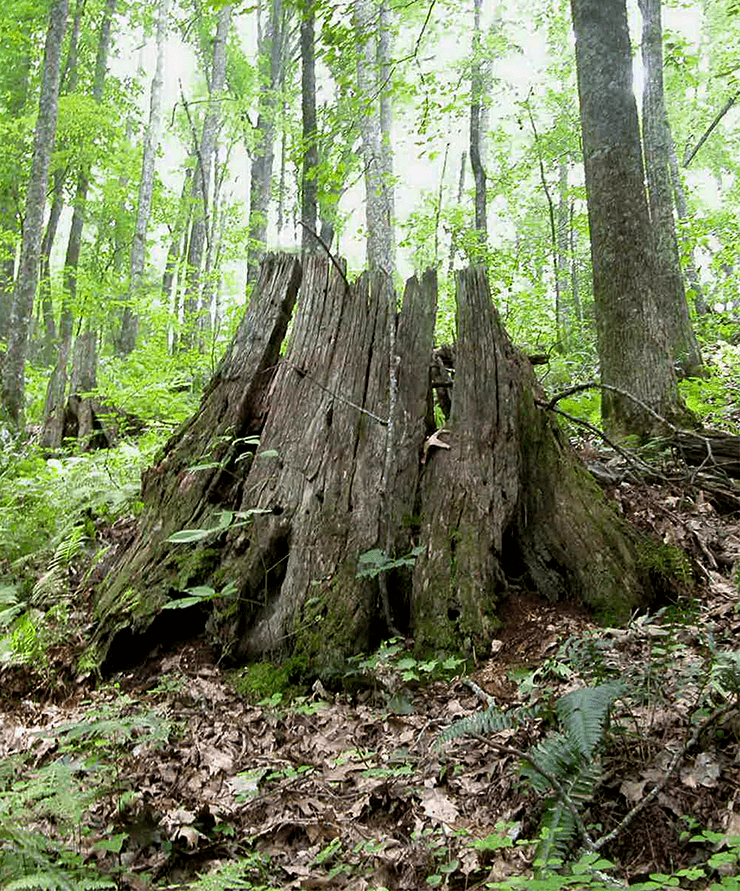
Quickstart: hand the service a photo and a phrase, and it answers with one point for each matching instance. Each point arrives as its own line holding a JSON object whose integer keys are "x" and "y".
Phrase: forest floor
{"x": 171, "y": 775}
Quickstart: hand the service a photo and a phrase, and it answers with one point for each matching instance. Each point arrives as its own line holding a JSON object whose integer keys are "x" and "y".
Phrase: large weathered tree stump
{"x": 296, "y": 467}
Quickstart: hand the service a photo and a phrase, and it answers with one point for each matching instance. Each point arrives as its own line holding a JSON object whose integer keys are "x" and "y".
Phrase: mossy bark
{"x": 495, "y": 501}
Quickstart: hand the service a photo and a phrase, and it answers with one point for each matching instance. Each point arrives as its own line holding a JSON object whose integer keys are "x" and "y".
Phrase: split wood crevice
{"x": 496, "y": 503}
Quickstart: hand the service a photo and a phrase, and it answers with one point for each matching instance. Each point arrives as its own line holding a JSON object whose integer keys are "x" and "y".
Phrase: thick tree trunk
{"x": 302, "y": 481}
{"x": 633, "y": 349}
{"x": 669, "y": 285}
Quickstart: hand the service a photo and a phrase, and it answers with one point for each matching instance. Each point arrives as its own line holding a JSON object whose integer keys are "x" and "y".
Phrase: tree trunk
{"x": 67, "y": 84}
{"x": 385, "y": 92}
{"x": 271, "y": 72}
{"x": 669, "y": 286}
{"x": 14, "y": 365}
{"x": 682, "y": 210}
{"x": 633, "y": 350}
{"x": 10, "y": 216}
{"x": 284, "y": 471}
{"x": 309, "y": 183}
{"x": 476, "y": 159}
{"x": 146, "y": 187}
{"x": 177, "y": 249}
{"x": 564, "y": 308}
{"x": 378, "y": 192}
{"x": 202, "y": 181}
{"x": 56, "y": 393}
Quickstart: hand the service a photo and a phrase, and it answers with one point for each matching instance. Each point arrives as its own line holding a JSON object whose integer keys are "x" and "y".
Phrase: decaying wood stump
{"x": 348, "y": 464}
{"x": 91, "y": 424}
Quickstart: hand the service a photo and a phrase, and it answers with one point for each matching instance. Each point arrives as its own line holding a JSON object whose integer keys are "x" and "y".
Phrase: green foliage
{"x": 565, "y": 767}
{"x": 268, "y": 682}
{"x": 247, "y": 873}
{"x": 48, "y": 813}
{"x": 373, "y": 562}
{"x": 42, "y": 500}
{"x": 30, "y": 858}
{"x": 715, "y": 399}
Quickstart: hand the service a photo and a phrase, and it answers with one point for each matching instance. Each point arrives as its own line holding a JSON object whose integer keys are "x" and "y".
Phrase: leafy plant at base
{"x": 29, "y": 857}
{"x": 373, "y": 562}
{"x": 565, "y": 767}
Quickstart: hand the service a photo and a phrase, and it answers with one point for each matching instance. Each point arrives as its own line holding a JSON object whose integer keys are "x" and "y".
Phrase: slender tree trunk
{"x": 10, "y": 217}
{"x": 13, "y": 381}
{"x": 146, "y": 187}
{"x": 56, "y": 392}
{"x": 682, "y": 209}
{"x": 669, "y": 286}
{"x": 565, "y": 306}
{"x": 178, "y": 241}
{"x": 309, "y": 183}
{"x": 385, "y": 73}
{"x": 575, "y": 289}
{"x": 202, "y": 177}
{"x": 67, "y": 84}
{"x": 378, "y": 200}
{"x": 270, "y": 67}
{"x": 476, "y": 102}
{"x": 633, "y": 351}
{"x": 460, "y": 193}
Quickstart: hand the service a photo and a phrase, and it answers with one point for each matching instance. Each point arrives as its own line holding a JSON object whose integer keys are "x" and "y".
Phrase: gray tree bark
{"x": 477, "y": 95}
{"x": 281, "y": 468}
{"x": 67, "y": 84}
{"x": 202, "y": 181}
{"x": 271, "y": 56}
{"x": 146, "y": 187}
{"x": 633, "y": 350}
{"x": 669, "y": 289}
{"x": 56, "y": 392}
{"x": 309, "y": 183}
{"x": 13, "y": 377}
{"x": 378, "y": 191}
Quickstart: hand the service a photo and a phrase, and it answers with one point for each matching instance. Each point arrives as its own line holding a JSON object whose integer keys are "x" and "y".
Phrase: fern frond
{"x": 558, "y": 830}
{"x": 40, "y": 881}
{"x": 585, "y": 713}
{"x": 53, "y": 582}
{"x": 555, "y": 756}
{"x": 492, "y": 720}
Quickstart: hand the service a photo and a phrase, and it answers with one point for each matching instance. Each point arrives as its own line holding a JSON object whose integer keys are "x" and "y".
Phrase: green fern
{"x": 53, "y": 583}
{"x": 571, "y": 757}
{"x": 492, "y": 720}
{"x": 585, "y": 713}
{"x": 565, "y": 767}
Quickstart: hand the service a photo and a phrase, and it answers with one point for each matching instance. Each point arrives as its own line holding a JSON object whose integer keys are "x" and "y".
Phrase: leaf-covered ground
{"x": 167, "y": 773}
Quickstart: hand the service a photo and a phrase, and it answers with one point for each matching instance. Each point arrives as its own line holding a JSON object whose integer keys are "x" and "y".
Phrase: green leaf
{"x": 201, "y": 591}
{"x": 185, "y": 536}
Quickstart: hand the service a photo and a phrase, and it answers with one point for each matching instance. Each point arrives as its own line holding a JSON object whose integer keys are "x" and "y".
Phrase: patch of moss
{"x": 666, "y": 567}
{"x": 262, "y": 680}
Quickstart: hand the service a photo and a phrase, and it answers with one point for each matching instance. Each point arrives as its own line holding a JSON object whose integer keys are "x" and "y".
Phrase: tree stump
{"x": 313, "y": 476}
